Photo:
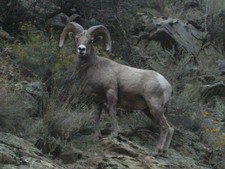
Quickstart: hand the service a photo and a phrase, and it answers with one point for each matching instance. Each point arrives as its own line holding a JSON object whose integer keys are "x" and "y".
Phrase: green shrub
{"x": 16, "y": 108}
{"x": 39, "y": 52}
{"x": 213, "y": 125}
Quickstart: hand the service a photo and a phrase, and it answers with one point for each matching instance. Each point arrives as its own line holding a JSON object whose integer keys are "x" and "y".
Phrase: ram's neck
{"x": 84, "y": 63}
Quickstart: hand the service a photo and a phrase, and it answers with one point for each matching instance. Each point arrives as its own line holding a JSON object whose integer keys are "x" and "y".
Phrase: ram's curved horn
{"x": 100, "y": 30}
{"x": 73, "y": 27}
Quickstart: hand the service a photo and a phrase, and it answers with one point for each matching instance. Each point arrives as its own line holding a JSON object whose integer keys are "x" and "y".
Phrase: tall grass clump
{"x": 69, "y": 113}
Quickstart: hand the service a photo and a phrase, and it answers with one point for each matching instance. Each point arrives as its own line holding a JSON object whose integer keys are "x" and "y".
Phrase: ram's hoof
{"x": 158, "y": 153}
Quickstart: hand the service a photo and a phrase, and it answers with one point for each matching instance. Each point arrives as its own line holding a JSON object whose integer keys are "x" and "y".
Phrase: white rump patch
{"x": 167, "y": 90}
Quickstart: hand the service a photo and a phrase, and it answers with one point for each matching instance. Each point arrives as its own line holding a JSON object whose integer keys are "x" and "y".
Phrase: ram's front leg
{"x": 112, "y": 101}
{"x": 98, "y": 112}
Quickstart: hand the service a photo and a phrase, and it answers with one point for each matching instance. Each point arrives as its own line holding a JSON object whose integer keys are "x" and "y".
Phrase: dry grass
{"x": 68, "y": 112}
{"x": 15, "y": 109}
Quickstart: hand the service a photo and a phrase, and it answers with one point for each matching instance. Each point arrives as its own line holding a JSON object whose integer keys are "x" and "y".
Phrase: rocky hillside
{"x": 132, "y": 149}
{"x": 46, "y": 123}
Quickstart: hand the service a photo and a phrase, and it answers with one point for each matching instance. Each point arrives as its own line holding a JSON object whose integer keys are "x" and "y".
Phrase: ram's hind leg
{"x": 156, "y": 113}
{"x": 168, "y": 139}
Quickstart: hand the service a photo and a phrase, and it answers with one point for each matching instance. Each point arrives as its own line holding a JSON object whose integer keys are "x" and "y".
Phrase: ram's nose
{"x": 81, "y": 50}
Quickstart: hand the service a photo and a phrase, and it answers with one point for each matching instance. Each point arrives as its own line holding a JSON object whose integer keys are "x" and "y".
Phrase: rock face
{"x": 18, "y": 153}
{"x": 191, "y": 50}
{"x": 108, "y": 153}
{"x": 175, "y": 32}
{"x": 118, "y": 153}
{"x": 121, "y": 153}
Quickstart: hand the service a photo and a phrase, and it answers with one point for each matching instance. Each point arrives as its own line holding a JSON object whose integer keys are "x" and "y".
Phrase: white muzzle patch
{"x": 81, "y": 50}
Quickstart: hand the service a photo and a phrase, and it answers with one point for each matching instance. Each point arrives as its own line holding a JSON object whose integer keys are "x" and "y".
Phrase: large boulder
{"x": 5, "y": 35}
{"x": 189, "y": 48}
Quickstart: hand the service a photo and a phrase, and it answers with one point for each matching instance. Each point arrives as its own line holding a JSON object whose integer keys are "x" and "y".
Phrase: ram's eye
{"x": 92, "y": 40}
{"x": 99, "y": 38}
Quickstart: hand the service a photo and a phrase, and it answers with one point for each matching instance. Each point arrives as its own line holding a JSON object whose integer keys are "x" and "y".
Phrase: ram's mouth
{"x": 80, "y": 54}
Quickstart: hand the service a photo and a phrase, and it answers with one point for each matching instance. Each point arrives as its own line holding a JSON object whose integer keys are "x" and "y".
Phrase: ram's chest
{"x": 97, "y": 80}
{"x": 93, "y": 84}
{"x": 95, "y": 92}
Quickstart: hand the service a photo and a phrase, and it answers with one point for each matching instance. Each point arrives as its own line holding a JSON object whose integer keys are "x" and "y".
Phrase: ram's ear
{"x": 71, "y": 35}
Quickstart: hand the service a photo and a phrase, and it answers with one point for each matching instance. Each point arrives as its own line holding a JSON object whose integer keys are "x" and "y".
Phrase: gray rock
{"x": 58, "y": 21}
{"x": 17, "y": 153}
{"x": 35, "y": 89}
{"x": 222, "y": 67}
{"x": 217, "y": 89}
{"x": 5, "y": 35}
{"x": 70, "y": 155}
{"x": 75, "y": 18}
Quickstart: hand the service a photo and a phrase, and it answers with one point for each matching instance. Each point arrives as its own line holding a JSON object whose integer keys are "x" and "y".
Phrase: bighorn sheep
{"x": 117, "y": 85}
